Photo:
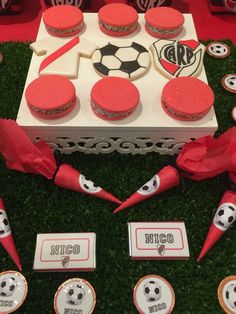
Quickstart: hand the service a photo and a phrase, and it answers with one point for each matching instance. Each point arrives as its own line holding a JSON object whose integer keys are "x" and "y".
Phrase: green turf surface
{"x": 35, "y": 206}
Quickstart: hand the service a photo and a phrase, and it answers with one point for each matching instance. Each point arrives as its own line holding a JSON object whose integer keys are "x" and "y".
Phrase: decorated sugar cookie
{"x": 174, "y": 58}
{"x": 229, "y": 82}
{"x": 13, "y": 291}
{"x": 62, "y": 56}
{"x": 75, "y": 295}
{"x": 123, "y": 59}
{"x": 218, "y": 50}
{"x": 153, "y": 294}
{"x": 227, "y": 294}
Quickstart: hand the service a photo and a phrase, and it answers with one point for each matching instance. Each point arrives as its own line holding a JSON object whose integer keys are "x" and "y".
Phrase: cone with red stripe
{"x": 163, "y": 180}
{"x": 6, "y": 238}
{"x": 70, "y": 178}
{"x": 223, "y": 219}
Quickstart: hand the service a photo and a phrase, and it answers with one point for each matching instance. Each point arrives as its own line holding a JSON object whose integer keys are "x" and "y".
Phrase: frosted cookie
{"x": 62, "y": 56}
{"x": 164, "y": 22}
{"x": 218, "y": 50}
{"x": 227, "y": 294}
{"x": 229, "y": 82}
{"x": 50, "y": 97}
{"x": 114, "y": 98}
{"x": 124, "y": 59}
{"x": 63, "y": 20}
{"x": 117, "y": 19}
{"x": 174, "y": 58}
{"x": 233, "y": 113}
{"x": 187, "y": 98}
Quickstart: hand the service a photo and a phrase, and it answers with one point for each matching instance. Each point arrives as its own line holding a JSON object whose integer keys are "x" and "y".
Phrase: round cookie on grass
{"x": 164, "y": 22}
{"x": 187, "y": 98}
{"x": 50, "y": 97}
{"x": 117, "y": 19}
{"x": 63, "y": 20}
{"x": 114, "y": 98}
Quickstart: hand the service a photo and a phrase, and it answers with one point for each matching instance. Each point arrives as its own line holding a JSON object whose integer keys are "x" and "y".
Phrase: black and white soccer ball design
{"x": 7, "y": 286}
{"x": 150, "y": 187}
{"x": 88, "y": 185}
{"x": 230, "y": 82}
{"x": 75, "y": 295}
{"x": 218, "y": 50}
{"x": 230, "y": 296}
{"x": 123, "y": 59}
{"x": 152, "y": 291}
{"x": 4, "y": 224}
{"x": 225, "y": 216}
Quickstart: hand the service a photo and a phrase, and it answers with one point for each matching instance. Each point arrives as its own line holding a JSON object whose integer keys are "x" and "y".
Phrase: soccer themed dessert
{"x": 117, "y": 19}
{"x": 124, "y": 59}
{"x": 50, "y": 97}
{"x": 13, "y": 291}
{"x": 6, "y": 238}
{"x": 63, "y": 20}
{"x": 218, "y": 50}
{"x": 187, "y": 98}
{"x": 227, "y": 294}
{"x": 75, "y": 295}
{"x": 114, "y": 98}
{"x": 174, "y": 58}
{"x": 164, "y": 22}
{"x": 229, "y": 83}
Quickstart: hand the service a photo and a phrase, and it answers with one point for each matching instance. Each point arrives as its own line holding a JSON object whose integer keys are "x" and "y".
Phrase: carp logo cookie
{"x": 143, "y": 5}
{"x": 178, "y": 58}
{"x": 88, "y": 185}
{"x": 4, "y": 4}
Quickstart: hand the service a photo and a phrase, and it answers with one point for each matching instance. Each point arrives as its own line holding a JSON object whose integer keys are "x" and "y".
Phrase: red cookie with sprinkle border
{"x": 50, "y": 97}
{"x": 114, "y": 98}
{"x": 117, "y": 19}
{"x": 164, "y": 22}
{"x": 187, "y": 98}
{"x": 63, "y": 20}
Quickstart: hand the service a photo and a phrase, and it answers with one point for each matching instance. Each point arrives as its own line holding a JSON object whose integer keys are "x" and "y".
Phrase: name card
{"x": 158, "y": 240}
{"x": 65, "y": 252}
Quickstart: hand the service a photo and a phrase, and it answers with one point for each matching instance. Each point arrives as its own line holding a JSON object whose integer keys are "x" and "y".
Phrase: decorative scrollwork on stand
{"x": 124, "y": 145}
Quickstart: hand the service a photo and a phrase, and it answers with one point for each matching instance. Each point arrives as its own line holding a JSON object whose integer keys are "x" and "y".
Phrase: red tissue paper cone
{"x": 223, "y": 219}
{"x": 208, "y": 157}
{"x": 22, "y": 155}
{"x": 6, "y": 238}
{"x": 165, "y": 179}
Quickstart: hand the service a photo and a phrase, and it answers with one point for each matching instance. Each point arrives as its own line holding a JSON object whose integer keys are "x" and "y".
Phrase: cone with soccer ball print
{"x": 70, "y": 178}
{"x": 163, "y": 180}
{"x": 6, "y": 238}
{"x": 223, "y": 219}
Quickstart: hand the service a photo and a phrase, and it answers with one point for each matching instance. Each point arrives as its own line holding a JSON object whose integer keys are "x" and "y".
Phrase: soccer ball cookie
{"x": 124, "y": 59}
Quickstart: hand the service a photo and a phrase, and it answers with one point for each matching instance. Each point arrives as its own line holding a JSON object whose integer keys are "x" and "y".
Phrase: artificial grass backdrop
{"x": 34, "y": 205}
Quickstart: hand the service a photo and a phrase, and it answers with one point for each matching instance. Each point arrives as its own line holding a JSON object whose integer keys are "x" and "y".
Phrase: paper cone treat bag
{"x": 22, "y": 155}
{"x": 6, "y": 238}
{"x": 200, "y": 159}
{"x": 224, "y": 218}
{"x": 165, "y": 179}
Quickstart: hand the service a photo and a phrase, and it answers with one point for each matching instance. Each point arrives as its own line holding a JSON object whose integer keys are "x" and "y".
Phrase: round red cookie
{"x": 187, "y": 98}
{"x": 114, "y": 98}
{"x": 63, "y": 20}
{"x": 50, "y": 96}
{"x": 117, "y": 19}
{"x": 164, "y": 22}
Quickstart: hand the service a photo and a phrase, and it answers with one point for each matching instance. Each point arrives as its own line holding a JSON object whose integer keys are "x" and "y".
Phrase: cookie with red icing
{"x": 63, "y": 20}
{"x": 114, "y": 98}
{"x": 117, "y": 19}
{"x": 187, "y": 98}
{"x": 164, "y": 22}
{"x": 50, "y": 97}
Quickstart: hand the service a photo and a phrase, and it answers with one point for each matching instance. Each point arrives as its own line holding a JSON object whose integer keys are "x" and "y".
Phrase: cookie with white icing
{"x": 123, "y": 59}
{"x": 62, "y": 56}
{"x": 174, "y": 58}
